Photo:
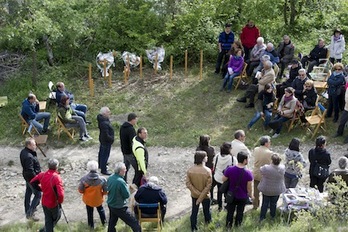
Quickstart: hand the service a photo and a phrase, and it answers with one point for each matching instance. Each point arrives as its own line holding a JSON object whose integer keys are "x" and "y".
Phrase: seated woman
{"x": 235, "y": 68}
{"x": 70, "y": 118}
{"x": 264, "y": 106}
{"x": 341, "y": 171}
{"x": 237, "y": 45}
{"x": 285, "y": 111}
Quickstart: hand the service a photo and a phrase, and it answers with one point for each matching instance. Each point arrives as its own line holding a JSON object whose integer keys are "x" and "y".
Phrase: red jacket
{"x": 51, "y": 186}
{"x": 249, "y": 36}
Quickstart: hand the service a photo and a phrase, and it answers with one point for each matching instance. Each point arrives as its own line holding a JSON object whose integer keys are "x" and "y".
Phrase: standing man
{"x": 32, "y": 115}
{"x": 238, "y": 143}
{"x": 31, "y": 167}
{"x": 198, "y": 181}
{"x": 127, "y": 133}
{"x": 53, "y": 194}
{"x": 80, "y": 109}
{"x": 106, "y": 138}
{"x": 141, "y": 155}
{"x": 249, "y": 35}
{"x": 117, "y": 200}
{"x": 226, "y": 39}
{"x": 262, "y": 156}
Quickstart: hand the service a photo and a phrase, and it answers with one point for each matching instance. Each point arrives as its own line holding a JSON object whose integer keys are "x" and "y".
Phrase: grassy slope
{"x": 175, "y": 111}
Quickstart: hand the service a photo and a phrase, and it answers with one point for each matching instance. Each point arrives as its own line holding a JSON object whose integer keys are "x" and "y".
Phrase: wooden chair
{"x": 24, "y": 124}
{"x": 156, "y": 218}
{"x": 296, "y": 118}
{"x": 317, "y": 119}
{"x": 242, "y": 77}
{"x": 40, "y": 140}
{"x": 70, "y": 131}
{"x": 276, "y": 69}
{"x": 52, "y": 94}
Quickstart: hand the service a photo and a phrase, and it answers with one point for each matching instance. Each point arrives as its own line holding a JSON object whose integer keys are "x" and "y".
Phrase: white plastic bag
{"x": 151, "y": 55}
{"x": 134, "y": 60}
{"x": 109, "y": 58}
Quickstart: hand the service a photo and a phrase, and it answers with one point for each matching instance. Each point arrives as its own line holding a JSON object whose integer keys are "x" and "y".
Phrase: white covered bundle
{"x": 134, "y": 60}
{"x": 151, "y": 55}
{"x": 109, "y": 58}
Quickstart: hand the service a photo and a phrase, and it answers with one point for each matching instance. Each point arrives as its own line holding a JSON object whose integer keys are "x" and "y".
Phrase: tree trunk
{"x": 34, "y": 76}
{"x": 49, "y": 50}
{"x": 285, "y": 14}
{"x": 293, "y": 12}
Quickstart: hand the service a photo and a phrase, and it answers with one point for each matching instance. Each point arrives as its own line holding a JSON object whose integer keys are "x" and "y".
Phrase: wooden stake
{"x": 201, "y": 67}
{"x": 110, "y": 76}
{"x": 141, "y": 67}
{"x": 171, "y": 67}
{"x": 156, "y": 60}
{"x": 125, "y": 74}
{"x": 104, "y": 64}
{"x": 185, "y": 63}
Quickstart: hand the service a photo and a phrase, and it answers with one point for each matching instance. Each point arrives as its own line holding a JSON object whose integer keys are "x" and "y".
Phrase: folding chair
{"x": 316, "y": 119}
{"x": 52, "y": 94}
{"x": 3, "y": 101}
{"x": 142, "y": 217}
{"x": 24, "y": 124}
{"x": 242, "y": 77}
{"x": 39, "y": 139}
{"x": 70, "y": 131}
{"x": 296, "y": 118}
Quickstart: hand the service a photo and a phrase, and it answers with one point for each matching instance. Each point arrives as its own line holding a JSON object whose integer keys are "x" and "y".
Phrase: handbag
{"x": 321, "y": 171}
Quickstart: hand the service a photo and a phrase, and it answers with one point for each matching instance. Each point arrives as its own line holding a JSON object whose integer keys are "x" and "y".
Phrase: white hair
{"x": 104, "y": 110}
{"x": 119, "y": 166}
{"x": 302, "y": 70}
{"x": 154, "y": 180}
{"x": 268, "y": 63}
{"x": 270, "y": 45}
{"x": 260, "y": 39}
{"x": 92, "y": 165}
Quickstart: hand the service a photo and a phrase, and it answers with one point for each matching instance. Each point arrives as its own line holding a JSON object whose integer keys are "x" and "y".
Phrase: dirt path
{"x": 169, "y": 164}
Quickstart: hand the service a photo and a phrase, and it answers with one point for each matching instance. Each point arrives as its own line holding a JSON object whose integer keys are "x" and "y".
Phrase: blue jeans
{"x": 194, "y": 213}
{"x": 257, "y": 116}
{"x": 101, "y": 212}
{"x": 31, "y": 206}
{"x": 282, "y": 120}
{"x": 231, "y": 207}
{"x": 52, "y": 216}
{"x": 229, "y": 78}
{"x": 125, "y": 216}
{"x": 271, "y": 202}
{"x": 41, "y": 116}
{"x": 103, "y": 156}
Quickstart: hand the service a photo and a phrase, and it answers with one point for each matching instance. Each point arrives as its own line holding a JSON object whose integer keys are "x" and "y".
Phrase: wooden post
{"x": 201, "y": 67}
{"x": 110, "y": 76}
{"x": 171, "y": 67}
{"x": 125, "y": 74}
{"x": 141, "y": 67}
{"x": 186, "y": 63}
{"x": 156, "y": 60}
{"x": 104, "y": 64}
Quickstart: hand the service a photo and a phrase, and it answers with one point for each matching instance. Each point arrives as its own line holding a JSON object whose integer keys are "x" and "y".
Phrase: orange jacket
{"x": 93, "y": 187}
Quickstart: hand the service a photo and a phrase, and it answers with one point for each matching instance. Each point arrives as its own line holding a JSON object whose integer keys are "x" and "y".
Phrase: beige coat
{"x": 238, "y": 146}
{"x": 267, "y": 77}
{"x": 262, "y": 156}
{"x": 198, "y": 181}
{"x": 288, "y": 108}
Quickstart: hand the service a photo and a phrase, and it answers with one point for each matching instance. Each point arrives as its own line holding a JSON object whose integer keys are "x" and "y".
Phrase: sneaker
{"x": 87, "y": 136}
{"x": 243, "y": 99}
{"x": 276, "y": 135}
{"x": 83, "y": 139}
{"x": 33, "y": 218}
{"x": 107, "y": 173}
{"x": 250, "y": 105}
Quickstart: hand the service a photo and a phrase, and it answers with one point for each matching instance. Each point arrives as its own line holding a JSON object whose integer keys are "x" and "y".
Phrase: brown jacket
{"x": 198, "y": 181}
{"x": 262, "y": 156}
{"x": 267, "y": 77}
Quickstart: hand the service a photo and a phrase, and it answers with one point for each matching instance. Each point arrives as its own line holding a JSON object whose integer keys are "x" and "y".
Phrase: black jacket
{"x": 30, "y": 164}
{"x": 320, "y": 156}
{"x": 127, "y": 133}
{"x": 311, "y": 96}
{"x": 318, "y": 53}
{"x": 151, "y": 193}
{"x": 106, "y": 135}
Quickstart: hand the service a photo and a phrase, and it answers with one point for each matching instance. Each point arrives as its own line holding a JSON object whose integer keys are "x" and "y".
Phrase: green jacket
{"x": 140, "y": 154}
{"x": 65, "y": 114}
{"x": 118, "y": 192}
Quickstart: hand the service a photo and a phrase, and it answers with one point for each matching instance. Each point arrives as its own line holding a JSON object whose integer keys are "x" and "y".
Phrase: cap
{"x": 227, "y": 25}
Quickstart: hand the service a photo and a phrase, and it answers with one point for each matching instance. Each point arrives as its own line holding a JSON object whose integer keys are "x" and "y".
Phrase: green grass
{"x": 175, "y": 112}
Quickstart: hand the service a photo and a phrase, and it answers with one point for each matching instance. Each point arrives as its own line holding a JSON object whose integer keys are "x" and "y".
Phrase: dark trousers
{"x": 30, "y": 206}
{"x": 247, "y": 52}
{"x": 219, "y": 195}
{"x": 194, "y": 213}
{"x": 101, "y": 212}
{"x": 311, "y": 63}
{"x": 52, "y": 216}
{"x": 279, "y": 119}
{"x": 231, "y": 207}
{"x": 333, "y": 106}
{"x": 251, "y": 66}
{"x": 222, "y": 56}
{"x": 332, "y": 60}
{"x": 213, "y": 184}
{"x": 103, "y": 156}
{"x": 268, "y": 202}
{"x": 343, "y": 121}
{"x": 129, "y": 159}
{"x": 315, "y": 181}
{"x": 125, "y": 216}
{"x": 251, "y": 92}
{"x": 283, "y": 65}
